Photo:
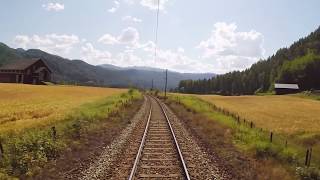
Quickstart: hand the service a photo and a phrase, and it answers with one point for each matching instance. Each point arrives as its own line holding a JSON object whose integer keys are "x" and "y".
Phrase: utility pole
{"x": 165, "y": 87}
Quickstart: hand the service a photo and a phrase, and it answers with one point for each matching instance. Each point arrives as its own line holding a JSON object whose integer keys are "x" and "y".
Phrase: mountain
{"x": 67, "y": 71}
{"x": 144, "y": 68}
{"x": 299, "y": 63}
{"x": 143, "y": 76}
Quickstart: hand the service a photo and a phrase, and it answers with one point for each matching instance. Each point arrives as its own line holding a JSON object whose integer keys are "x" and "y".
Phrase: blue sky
{"x": 194, "y": 36}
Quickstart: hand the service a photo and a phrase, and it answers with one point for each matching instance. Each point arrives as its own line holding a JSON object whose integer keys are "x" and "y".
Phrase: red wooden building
{"x": 27, "y": 71}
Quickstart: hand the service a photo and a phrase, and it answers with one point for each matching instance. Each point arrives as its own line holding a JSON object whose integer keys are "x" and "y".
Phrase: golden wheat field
{"x": 285, "y": 114}
{"x": 24, "y": 106}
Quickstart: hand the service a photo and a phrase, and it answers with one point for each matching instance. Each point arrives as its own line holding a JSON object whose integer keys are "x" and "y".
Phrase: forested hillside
{"x": 300, "y": 63}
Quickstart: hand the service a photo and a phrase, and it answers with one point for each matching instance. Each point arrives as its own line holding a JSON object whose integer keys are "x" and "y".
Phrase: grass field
{"x": 28, "y": 113}
{"x": 284, "y": 114}
{"x": 27, "y": 106}
{"x": 292, "y": 119}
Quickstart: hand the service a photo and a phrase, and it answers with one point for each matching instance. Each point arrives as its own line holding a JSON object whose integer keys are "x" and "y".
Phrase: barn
{"x": 286, "y": 88}
{"x": 26, "y": 71}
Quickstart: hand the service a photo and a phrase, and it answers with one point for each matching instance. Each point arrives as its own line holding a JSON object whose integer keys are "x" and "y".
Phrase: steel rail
{"x": 185, "y": 169}
{"x": 136, "y": 162}
{"x": 137, "y": 159}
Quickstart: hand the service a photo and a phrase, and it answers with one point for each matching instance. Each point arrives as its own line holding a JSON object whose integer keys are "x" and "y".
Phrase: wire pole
{"x": 165, "y": 87}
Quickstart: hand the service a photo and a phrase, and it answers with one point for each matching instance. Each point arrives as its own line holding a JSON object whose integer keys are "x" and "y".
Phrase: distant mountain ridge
{"x": 67, "y": 71}
{"x": 144, "y": 68}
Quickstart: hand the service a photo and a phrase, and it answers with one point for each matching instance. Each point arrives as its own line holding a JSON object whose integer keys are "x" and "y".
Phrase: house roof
{"x": 20, "y": 65}
{"x": 286, "y": 86}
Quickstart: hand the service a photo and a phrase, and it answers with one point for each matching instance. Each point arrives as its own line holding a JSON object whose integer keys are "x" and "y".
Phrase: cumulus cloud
{"x": 131, "y": 19}
{"x": 175, "y": 60}
{"x": 153, "y": 4}
{"x": 231, "y": 49}
{"x": 180, "y": 50}
{"x": 115, "y": 7}
{"x": 129, "y": 36}
{"x": 130, "y": 2}
{"x": 53, "y": 7}
{"x": 108, "y": 39}
{"x": 52, "y": 43}
{"x": 95, "y": 56}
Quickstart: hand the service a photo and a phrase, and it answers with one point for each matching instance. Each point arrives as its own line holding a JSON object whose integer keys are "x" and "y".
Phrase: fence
{"x": 306, "y": 156}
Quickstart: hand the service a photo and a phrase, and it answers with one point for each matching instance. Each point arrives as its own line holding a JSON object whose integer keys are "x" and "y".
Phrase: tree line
{"x": 300, "y": 63}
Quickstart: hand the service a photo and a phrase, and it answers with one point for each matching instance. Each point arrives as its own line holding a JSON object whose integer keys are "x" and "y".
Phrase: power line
{"x": 157, "y": 27}
{"x": 156, "y": 46}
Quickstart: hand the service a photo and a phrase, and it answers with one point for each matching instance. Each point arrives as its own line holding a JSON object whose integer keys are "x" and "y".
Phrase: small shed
{"x": 26, "y": 71}
{"x": 286, "y": 88}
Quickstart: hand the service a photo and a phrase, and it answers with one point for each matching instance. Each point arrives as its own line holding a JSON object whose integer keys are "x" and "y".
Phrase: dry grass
{"x": 285, "y": 114}
{"x": 26, "y": 106}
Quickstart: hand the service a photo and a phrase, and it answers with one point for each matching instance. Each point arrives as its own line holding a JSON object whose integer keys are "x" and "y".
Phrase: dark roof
{"x": 20, "y": 65}
{"x": 286, "y": 86}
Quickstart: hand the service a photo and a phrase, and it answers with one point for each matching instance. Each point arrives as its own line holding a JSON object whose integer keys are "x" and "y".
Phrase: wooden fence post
{"x": 54, "y": 133}
{"x": 1, "y": 150}
{"x": 307, "y": 158}
{"x": 310, "y": 155}
{"x": 271, "y": 137}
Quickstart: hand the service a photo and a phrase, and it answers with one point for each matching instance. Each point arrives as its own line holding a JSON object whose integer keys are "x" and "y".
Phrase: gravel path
{"x": 102, "y": 169}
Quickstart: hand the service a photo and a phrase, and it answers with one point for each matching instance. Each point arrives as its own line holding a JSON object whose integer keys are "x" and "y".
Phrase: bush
{"x": 308, "y": 173}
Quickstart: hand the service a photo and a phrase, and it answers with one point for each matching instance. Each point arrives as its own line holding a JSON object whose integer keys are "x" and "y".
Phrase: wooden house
{"x": 27, "y": 71}
{"x": 286, "y": 88}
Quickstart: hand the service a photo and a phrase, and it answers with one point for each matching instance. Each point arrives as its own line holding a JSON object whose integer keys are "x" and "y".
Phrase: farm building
{"x": 286, "y": 88}
{"x": 27, "y": 71}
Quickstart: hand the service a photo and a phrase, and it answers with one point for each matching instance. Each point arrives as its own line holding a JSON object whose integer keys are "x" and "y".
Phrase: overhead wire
{"x": 156, "y": 34}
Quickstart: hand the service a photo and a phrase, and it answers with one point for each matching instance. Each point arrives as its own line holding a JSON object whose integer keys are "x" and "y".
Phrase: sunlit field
{"x": 285, "y": 114}
{"x": 26, "y": 106}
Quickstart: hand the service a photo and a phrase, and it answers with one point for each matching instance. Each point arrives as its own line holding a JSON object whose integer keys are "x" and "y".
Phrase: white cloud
{"x": 53, "y": 7}
{"x": 52, "y": 43}
{"x": 153, "y": 4}
{"x": 95, "y": 56}
{"x": 108, "y": 39}
{"x": 180, "y": 50}
{"x": 131, "y": 19}
{"x": 130, "y": 2}
{"x": 115, "y": 7}
{"x": 231, "y": 49}
{"x": 129, "y": 36}
{"x": 173, "y": 59}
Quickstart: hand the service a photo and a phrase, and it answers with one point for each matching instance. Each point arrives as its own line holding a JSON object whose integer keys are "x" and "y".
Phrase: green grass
{"x": 26, "y": 152}
{"x": 308, "y": 95}
{"x": 254, "y": 140}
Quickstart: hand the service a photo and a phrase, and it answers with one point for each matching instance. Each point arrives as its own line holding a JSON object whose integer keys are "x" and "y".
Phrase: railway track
{"x": 159, "y": 155}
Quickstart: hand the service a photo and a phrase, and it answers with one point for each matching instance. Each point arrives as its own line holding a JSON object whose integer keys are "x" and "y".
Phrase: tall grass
{"x": 26, "y": 106}
{"x": 255, "y": 140}
{"x": 282, "y": 114}
{"x": 28, "y": 150}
